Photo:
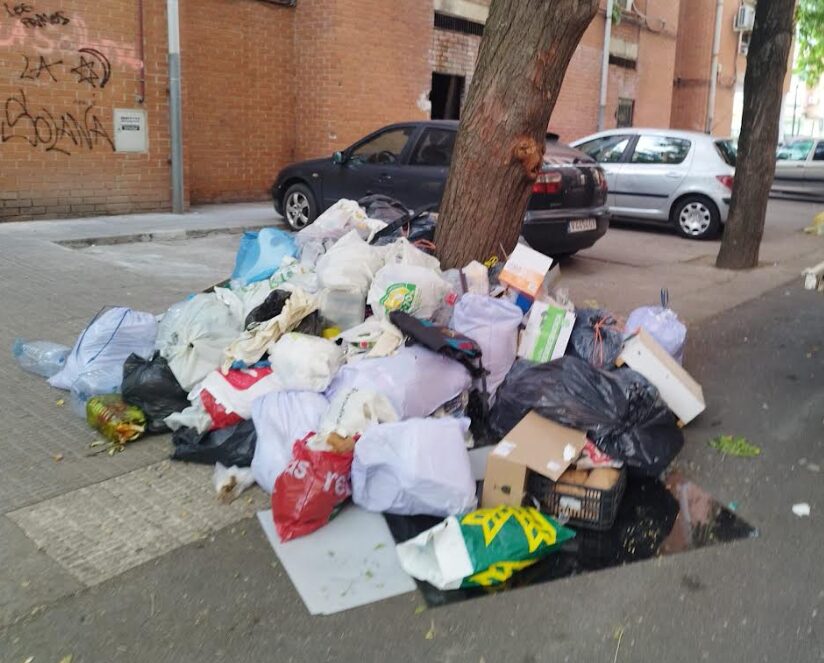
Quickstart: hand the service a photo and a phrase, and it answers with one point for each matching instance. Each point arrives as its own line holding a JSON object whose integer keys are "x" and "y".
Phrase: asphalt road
{"x": 225, "y": 597}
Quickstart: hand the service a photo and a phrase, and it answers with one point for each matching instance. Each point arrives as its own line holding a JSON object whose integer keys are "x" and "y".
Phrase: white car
{"x": 799, "y": 168}
{"x": 683, "y": 178}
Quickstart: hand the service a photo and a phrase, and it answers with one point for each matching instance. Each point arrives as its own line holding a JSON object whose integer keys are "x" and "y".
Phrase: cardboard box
{"x": 682, "y": 394}
{"x": 547, "y": 332}
{"x": 525, "y": 270}
{"x": 536, "y": 444}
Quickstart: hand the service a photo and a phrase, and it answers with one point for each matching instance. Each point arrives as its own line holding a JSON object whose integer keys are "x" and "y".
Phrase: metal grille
{"x": 455, "y": 24}
{"x": 624, "y": 112}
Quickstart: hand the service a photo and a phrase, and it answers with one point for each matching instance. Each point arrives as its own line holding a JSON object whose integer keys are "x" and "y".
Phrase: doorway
{"x": 446, "y": 94}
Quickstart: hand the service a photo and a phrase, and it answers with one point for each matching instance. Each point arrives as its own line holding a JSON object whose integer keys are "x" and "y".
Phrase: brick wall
{"x": 359, "y": 65}
{"x": 238, "y": 97}
{"x": 56, "y": 125}
{"x": 454, "y": 53}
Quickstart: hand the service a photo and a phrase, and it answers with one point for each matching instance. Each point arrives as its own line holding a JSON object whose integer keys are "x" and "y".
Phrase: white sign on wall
{"x": 130, "y": 131}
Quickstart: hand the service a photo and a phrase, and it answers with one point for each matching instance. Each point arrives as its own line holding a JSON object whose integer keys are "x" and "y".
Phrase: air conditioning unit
{"x": 744, "y": 18}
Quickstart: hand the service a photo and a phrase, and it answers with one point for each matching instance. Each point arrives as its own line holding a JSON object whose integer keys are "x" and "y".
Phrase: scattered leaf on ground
{"x": 67, "y": 659}
{"x": 60, "y": 402}
{"x": 735, "y": 445}
{"x": 419, "y": 609}
{"x": 57, "y": 457}
{"x": 430, "y": 634}
{"x": 368, "y": 573}
{"x": 378, "y": 546}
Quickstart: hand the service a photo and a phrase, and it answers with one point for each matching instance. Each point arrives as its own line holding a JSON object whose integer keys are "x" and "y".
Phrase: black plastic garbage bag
{"x": 233, "y": 445}
{"x": 150, "y": 385}
{"x": 270, "y": 308}
{"x": 597, "y": 337}
{"x": 385, "y": 208}
{"x": 620, "y": 410}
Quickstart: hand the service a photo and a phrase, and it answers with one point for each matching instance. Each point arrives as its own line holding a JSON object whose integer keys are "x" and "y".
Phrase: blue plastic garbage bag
{"x": 260, "y": 254}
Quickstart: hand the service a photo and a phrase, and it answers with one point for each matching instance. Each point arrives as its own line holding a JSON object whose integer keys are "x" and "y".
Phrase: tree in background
{"x": 810, "y": 21}
{"x": 769, "y": 50}
{"x": 526, "y": 47}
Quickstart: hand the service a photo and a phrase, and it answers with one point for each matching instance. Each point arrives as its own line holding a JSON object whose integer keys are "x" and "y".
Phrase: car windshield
{"x": 728, "y": 149}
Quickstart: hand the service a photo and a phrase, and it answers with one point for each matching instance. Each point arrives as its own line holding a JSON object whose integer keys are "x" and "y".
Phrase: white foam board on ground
{"x": 347, "y": 563}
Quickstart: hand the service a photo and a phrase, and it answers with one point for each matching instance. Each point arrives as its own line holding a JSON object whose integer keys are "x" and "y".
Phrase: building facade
{"x": 84, "y": 122}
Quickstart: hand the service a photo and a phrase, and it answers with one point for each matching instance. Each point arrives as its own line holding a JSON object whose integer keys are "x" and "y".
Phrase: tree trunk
{"x": 526, "y": 47}
{"x": 755, "y": 166}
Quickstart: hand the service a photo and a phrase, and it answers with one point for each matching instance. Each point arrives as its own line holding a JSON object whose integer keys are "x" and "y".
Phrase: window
{"x": 795, "y": 151}
{"x": 445, "y": 96}
{"x": 434, "y": 149}
{"x": 383, "y": 148}
{"x": 624, "y": 113}
{"x": 607, "y": 149}
{"x": 455, "y": 24}
{"x": 819, "y": 152}
{"x": 728, "y": 149}
{"x": 660, "y": 149}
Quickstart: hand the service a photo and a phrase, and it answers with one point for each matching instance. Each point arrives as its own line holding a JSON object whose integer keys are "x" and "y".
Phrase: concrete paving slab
{"x": 102, "y": 530}
{"x": 37, "y": 579}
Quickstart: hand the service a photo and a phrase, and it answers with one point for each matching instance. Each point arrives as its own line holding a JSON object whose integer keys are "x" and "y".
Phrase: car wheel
{"x": 299, "y": 206}
{"x": 696, "y": 217}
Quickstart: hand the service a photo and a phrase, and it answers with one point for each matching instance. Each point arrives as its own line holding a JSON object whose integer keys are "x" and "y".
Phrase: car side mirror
{"x": 338, "y": 158}
{"x": 782, "y": 156}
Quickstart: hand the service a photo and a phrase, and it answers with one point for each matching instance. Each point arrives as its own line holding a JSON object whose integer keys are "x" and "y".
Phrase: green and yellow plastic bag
{"x": 482, "y": 548}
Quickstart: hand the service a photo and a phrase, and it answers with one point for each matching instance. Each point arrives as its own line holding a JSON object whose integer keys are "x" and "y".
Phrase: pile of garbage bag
{"x": 342, "y": 363}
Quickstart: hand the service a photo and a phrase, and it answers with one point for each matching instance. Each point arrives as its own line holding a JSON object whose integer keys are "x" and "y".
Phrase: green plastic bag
{"x": 482, "y": 548}
{"x": 117, "y": 421}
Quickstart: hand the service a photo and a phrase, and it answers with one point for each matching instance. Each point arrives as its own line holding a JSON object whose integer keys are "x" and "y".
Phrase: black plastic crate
{"x": 592, "y": 508}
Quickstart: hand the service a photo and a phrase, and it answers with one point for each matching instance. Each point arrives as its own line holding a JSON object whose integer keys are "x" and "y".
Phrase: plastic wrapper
{"x": 482, "y": 548}
{"x": 260, "y": 254}
{"x": 596, "y": 337}
{"x": 309, "y": 490}
{"x": 228, "y": 398}
{"x": 234, "y": 445}
{"x": 114, "y": 419}
{"x": 42, "y": 358}
{"x": 150, "y": 385}
{"x": 620, "y": 410}
{"x": 270, "y": 308}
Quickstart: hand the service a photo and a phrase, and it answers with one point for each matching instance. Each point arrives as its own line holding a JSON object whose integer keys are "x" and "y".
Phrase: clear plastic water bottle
{"x": 40, "y": 357}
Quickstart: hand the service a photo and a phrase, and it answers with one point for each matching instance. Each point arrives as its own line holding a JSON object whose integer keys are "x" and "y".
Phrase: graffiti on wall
{"x": 30, "y": 18}
{"x": 44, "y": 130}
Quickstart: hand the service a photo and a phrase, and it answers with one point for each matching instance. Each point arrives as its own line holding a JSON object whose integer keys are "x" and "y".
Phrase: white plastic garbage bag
{"x": 305, "y": 363}
{"x": 402, "y": 252}
{"x": 334, "y": 223}
{"x": 105, "y": 344}
{"x": 280, "y": 418}
{"x": 350, "y": 264}
{"x": 352, "y": 411}
{"x": 371, "y": 338}
{"x": 193, "y": 336}
{"x": 234, "y": 393}
{"x": 249, "y": 346}
{"x": 664, "y": 326}
{"x": 230, "y": 482}
{"x": 412, "y": 289}
{"x": 416, "y": 381}
{"x": 419, "y": 466}
{"x": 493, "y": 325}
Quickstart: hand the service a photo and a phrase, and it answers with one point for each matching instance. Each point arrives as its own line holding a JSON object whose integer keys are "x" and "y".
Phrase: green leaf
{"x": 738, "y": 445}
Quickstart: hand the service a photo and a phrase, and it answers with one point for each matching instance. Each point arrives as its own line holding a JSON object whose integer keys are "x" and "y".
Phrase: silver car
{"x": 683, "y": 178}
{"x": 799, "y": 168}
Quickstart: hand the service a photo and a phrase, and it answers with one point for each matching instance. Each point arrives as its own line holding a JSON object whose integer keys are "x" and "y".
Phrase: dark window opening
{"x": 447, "y": 91}
{"x": 455, "y": 24}
{"x": 626, "y": 63}
{"x": 624, "y": 113}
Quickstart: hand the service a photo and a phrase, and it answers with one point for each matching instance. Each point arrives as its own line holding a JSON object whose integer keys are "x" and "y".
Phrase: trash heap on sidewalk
{"x": 342, "y": 363}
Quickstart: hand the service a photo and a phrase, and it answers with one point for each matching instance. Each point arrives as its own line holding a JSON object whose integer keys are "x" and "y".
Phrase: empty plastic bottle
{"x": 40, "y": 357}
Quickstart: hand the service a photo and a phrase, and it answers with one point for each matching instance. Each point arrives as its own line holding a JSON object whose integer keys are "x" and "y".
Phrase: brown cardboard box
{"x": 536, "y": 444}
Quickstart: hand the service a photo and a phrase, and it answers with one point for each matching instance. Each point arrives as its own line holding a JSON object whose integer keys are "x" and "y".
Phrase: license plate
{"x": 581, "y": 225}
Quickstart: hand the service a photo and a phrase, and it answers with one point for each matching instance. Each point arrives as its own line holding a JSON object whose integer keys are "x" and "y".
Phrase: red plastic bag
{"x": 228, "y": 398}
{"x": 308, "y": 490}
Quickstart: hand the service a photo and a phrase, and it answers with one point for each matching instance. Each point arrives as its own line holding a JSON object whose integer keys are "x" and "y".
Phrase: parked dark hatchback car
{"x": 409, "y": 161}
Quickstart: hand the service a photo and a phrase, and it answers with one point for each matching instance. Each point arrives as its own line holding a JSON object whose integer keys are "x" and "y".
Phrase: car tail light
{"x": 726, "y": 180}
{"x": 600, "y": 179}
{"x": 548, "y": 182}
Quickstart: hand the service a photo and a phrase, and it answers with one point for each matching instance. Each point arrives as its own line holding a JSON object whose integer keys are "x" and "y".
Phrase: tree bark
{"x": 755, "y": 166}
{"x": 526, "y": 47}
